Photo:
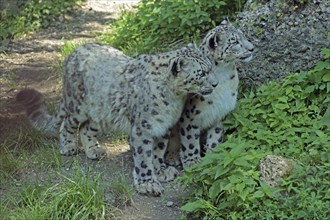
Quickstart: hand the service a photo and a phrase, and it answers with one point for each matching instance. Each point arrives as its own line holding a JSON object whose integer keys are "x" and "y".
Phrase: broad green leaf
{"x": 309, "y": 89}
{"x": 326, "y": 118}
{"x": 243, "y": 194}
{"x": 225, "y": 204}
{"x": 215, "y": 189}
{"x": 235, "y": 178}
{"x": 193, "y": 206}
{"x": 228, "y": 159}
{"x": 288, "y": 90}
{"x": 207, "y": 160}
{"x": 321, "y": 66}
{"x": 258, "y": 194}
{"x": 241, "y": 161}
{"x": 297, "y": 88}
{"x": 283, "y": 99}
{"x": 281, "y": 106}
{"x": 229, "y": 186}
{"x": 237, "y": 150}
{"x": 250, "y": 181}
{"x": 240, "y": 186}
{"x": 221, "y": 171}
{"x": 321, "y": 134}
{"x": 266, "y": 189}
{"x": 326, "y": 77}
{"x": 325, "y": 52}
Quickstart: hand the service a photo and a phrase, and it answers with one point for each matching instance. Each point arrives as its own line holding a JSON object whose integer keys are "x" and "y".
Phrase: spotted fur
{"x": 200, "y": 127}
{"x": 105, "y": 91}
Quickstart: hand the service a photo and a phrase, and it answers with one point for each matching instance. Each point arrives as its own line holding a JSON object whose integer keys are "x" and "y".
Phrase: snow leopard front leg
{"x": 145, "y": 179}
{"x": 214, "y": 137}
{"x": 164, "y": 172}
{"x": 88, "y": 133}
{"x": 190, "y": 141}
{"x": 172, "y": 155}
{"x": 68, "y": 136}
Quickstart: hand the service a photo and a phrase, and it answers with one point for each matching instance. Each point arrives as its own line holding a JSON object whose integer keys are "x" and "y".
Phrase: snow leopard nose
{"x": 212, "y": 80}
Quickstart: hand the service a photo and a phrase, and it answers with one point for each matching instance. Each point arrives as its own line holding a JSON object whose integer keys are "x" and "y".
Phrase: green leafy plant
{"x": 228, "y": 178}
{"x": 156, "y": 23}
{"x": 290, "y": 119}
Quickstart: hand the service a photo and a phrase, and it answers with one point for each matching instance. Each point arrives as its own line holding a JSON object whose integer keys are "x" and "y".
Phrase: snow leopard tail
{"x": 38, "y": 114}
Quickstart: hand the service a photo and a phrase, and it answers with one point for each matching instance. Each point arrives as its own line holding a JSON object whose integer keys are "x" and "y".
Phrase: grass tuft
{"x": 17, "y": 145}
{"x": 75, "y": 196}
{"x": 122, "y": 190}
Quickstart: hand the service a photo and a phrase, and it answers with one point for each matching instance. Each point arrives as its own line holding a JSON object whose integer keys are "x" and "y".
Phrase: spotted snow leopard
{"x": 106, "y": 91}
{"x": 200, "y": 127}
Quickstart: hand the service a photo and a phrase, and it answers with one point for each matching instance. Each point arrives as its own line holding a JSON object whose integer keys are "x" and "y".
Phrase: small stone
{"x": 61, "y": 18}
{"x": 169, "y": 204}
{"x": 273, "y": 168}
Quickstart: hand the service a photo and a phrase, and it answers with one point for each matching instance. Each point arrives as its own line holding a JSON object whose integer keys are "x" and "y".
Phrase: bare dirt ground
{"x": 33, "y": 61}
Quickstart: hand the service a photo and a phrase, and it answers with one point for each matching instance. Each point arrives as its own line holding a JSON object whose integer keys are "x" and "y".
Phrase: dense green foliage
{"x": 21, "y": 16}
{"x": 156, "y": 23}
{"x": 290, "y": 119}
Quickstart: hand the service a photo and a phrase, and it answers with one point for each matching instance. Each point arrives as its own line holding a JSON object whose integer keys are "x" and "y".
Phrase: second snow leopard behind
{"x": 202, "y": 116}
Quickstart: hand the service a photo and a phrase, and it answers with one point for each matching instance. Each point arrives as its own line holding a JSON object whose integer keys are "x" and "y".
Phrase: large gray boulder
{"x": 288, "y": 36}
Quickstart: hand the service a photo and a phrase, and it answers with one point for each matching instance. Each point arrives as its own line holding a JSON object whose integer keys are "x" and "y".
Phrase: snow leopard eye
{"x": 233, "y": 39}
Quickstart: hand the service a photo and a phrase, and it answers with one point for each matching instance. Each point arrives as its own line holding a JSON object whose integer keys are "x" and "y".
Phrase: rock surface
{"x": 288, "y": 37}
{"x": 273, "y": 168}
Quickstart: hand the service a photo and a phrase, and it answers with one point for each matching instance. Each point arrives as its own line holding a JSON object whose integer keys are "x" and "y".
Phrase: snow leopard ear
{"x": 176, "y": 65}
{"x": 192, "y": 45}
{"x": 225, "y": 21}
{"x": 213, "y": 41}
